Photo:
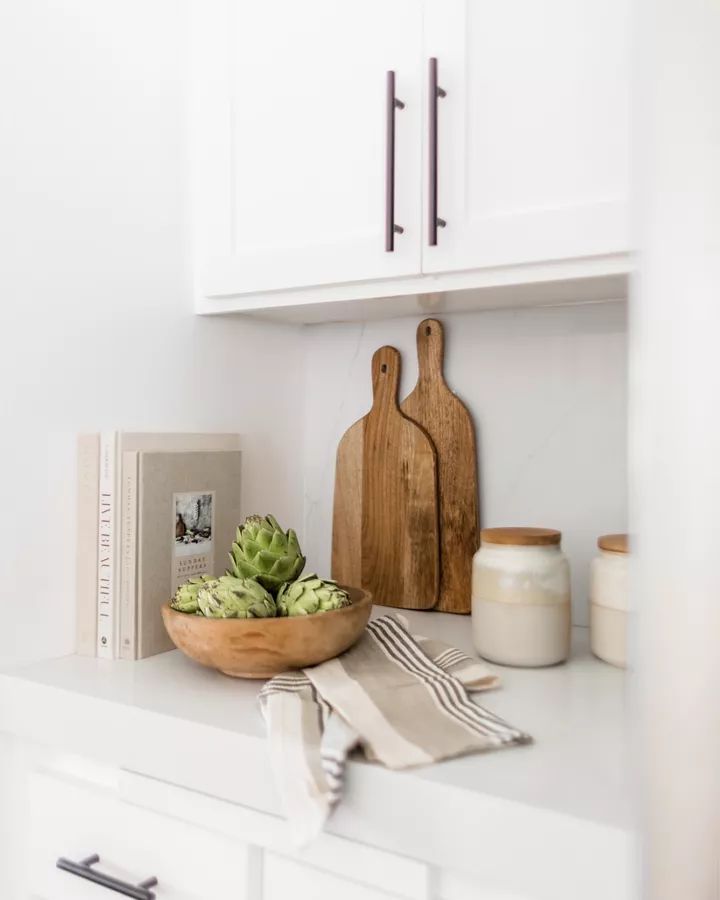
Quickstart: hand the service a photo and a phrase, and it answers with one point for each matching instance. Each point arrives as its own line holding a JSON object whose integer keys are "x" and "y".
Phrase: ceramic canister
{"x": 609, "y": 599}
{"x": 521, "y": 597}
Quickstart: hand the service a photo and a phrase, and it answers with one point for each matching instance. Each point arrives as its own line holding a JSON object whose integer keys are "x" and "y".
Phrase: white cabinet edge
{"x": 592, "y": 279}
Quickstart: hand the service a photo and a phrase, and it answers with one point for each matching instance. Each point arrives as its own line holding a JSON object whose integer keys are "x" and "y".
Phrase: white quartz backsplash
{"x": 547, "y": 390}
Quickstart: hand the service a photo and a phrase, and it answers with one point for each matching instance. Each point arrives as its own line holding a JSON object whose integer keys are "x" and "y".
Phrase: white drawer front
{"x": 378, "y": 870}
{"x": 284, "y": 878}
{"x": 75, "y": 820}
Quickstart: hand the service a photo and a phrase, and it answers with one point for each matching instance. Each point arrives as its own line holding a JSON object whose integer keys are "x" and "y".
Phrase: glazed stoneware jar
{"x": 609, "y": 575}
{"x": 521, "y": 597}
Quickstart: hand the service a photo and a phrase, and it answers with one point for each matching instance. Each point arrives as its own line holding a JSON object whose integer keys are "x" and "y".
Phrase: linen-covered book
{"x": 188, "y": 510}
{"x": 124, "y": 545}
{"x": 106, "y": 531}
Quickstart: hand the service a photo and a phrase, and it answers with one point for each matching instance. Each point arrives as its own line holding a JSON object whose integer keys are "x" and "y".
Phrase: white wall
{"x": 97, "y": 323}
{"x": 547, "y": 390}
{"x": 99, "y": 332}
{"x": 675, "y": 447}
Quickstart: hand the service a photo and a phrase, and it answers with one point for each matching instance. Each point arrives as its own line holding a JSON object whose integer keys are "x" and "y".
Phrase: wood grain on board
{"x": 448, "y": 423}
{"x": 385, "y": 520}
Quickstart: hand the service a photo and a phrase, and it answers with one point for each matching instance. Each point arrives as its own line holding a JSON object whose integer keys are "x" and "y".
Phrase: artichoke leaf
{"x": 262, "y": 550}
{"x": 310, "y": 595}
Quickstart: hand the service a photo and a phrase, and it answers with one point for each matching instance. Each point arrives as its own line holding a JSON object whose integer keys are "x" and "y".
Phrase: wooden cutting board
{"x": 444, "y": 417}
{"x": 385, "y": 520}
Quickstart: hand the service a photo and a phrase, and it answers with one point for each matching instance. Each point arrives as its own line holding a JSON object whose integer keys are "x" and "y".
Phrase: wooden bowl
{"x": 261, "y": 648}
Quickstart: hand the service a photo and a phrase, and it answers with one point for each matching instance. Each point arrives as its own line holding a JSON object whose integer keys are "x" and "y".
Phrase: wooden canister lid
{"x": 521, "y": 537}
{"x": 613, "y": 543}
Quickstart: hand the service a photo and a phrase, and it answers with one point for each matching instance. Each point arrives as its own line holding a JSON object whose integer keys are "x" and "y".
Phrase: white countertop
{"x": 169, "y": 718}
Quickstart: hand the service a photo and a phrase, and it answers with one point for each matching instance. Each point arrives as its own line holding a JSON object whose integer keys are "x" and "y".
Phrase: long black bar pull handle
{"x": 392, "y": 103}
{"x": 434, "y": 94}
{"x": 83, "y": 869}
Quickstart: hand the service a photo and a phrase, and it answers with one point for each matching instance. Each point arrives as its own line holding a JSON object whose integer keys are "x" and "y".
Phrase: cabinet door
{"x": 290, "y": 126}
{"x": 74, "y": 821}
{"x": 532, "y": 133}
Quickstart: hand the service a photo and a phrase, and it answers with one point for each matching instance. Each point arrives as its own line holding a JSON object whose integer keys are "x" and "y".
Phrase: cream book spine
{"x": 86, "y": 568}
{"x": 128, "y": 555}
{"x": 107, "y": 515}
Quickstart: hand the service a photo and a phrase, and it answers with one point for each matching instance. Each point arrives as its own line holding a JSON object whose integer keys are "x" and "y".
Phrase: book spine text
{"x": 106, "y": 536}
{"x": 128, "y": 557}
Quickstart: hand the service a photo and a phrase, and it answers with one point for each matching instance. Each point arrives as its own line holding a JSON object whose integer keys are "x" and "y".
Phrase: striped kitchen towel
{"x": 402, "y": 699}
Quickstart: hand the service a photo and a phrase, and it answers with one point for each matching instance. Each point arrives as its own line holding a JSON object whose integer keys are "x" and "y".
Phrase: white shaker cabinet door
{"x": 532, "y": 133}
{"x": 289, "y": 132}
{"x": 74, "y": 821}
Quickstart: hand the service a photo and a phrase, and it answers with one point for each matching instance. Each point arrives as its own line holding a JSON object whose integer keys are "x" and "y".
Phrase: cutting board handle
{"x": 385, "y": 377}
{"x": 430, "y": 349}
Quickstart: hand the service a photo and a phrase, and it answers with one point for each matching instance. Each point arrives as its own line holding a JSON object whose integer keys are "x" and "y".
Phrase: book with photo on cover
{"x": 107, "y": 531}
{"x": 188, "y": 508}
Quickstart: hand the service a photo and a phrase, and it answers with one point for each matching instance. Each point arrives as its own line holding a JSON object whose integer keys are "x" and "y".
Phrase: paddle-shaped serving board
{"x": 385, "y": 520}
{"x": 444, "y": 417}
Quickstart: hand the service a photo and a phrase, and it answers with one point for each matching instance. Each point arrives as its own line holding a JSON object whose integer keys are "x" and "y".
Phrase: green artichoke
{"x": 267, "y": 553}
{"x": 186, "y": 596}
{"x": 310, "y": 595}
{"x": 235, "y": 598}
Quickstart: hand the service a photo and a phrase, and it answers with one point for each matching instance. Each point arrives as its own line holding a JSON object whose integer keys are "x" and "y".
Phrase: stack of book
{"x": 153, "y": 511}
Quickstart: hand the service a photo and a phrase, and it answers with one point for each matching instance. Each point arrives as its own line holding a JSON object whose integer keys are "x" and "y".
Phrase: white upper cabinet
{"x": 532, "y": 133}
{"x": 304, "y": 165}
{"x": 291, "y": 121}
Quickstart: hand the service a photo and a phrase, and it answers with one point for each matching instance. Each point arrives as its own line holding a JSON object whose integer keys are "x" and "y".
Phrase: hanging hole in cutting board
{"x": 428, "y": 330}
{"x": 383, "y": 367}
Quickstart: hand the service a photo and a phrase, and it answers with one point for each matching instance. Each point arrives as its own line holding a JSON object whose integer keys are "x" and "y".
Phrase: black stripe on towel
{"x": 430, "y": 673}
{"x": 449, "y": 694}
{"x": 431, "y": 669}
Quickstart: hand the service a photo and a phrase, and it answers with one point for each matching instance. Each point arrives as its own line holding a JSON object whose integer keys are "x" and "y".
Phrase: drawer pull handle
{"x": 83, "y": 869}
{"x": 392, "y": 103}
{"x": 434, "y": 94}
